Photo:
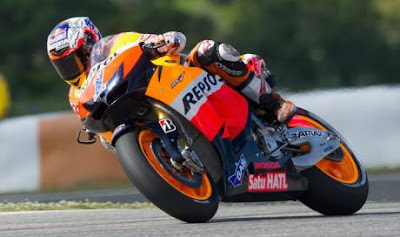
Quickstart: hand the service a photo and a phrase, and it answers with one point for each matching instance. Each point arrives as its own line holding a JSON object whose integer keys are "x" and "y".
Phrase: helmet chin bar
{"x": 75, "y": 82}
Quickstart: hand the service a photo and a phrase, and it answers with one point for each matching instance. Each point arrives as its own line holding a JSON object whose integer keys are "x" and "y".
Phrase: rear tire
{"x": 330, "y": 197}
{"x": 157, "y": 190}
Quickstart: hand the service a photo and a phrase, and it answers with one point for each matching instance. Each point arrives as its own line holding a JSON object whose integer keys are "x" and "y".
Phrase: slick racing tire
{"x": 334, "y": 188}
{"x": 139, "y": 153}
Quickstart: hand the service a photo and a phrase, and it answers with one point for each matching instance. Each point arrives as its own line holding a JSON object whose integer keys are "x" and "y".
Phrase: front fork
{"x": 169, "y": 128}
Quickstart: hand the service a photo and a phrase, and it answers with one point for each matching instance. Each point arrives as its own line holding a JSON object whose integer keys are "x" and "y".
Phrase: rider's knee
{"x": 220, "y": 59}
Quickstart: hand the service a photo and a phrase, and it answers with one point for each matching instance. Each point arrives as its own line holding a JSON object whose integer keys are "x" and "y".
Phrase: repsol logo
{"x": 103, "y": 64}
{"x": 199, "y": 91}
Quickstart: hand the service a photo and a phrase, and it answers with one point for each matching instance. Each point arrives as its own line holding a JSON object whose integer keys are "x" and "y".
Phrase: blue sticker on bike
{"x": 237, "y": 177}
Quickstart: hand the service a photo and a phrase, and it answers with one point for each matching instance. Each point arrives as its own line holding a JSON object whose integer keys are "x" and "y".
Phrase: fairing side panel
{"x": 101, "y": 73}
{"x": 233, "y": 108}
{"x": 104, "y": 71}
{"x": 200, "y": 97}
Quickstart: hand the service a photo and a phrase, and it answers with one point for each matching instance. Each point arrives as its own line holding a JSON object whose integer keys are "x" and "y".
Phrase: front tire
{"x": 334, "y": 188}
{"x": 137, "y": 157}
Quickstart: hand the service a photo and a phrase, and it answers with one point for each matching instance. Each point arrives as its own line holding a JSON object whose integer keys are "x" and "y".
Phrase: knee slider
{"x": 228, "y": 53}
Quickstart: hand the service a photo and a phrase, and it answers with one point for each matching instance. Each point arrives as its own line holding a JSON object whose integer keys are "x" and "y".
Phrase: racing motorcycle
{"x": 187, "y": 140}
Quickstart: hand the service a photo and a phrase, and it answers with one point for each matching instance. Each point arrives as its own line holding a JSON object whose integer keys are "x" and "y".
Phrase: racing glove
{"x": 169, "y": 43}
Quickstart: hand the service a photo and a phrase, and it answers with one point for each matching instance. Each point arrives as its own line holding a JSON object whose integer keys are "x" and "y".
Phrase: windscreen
{"x": 101, "y": 50}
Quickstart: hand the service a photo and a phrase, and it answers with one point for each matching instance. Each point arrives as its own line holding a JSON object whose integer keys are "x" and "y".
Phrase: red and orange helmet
{"x": 69, "y": 46}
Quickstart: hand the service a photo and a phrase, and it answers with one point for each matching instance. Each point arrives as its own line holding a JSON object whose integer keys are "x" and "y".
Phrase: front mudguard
{"x": 168, "y": 140}
{"x": 330, "y": 128}
{"x": 321, "y": 143}
{"x": 121, "y": 130}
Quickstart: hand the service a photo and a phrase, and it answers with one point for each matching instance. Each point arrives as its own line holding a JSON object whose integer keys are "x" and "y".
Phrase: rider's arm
{"x": 169, "y": 43}
{"x": 73, "y": 97}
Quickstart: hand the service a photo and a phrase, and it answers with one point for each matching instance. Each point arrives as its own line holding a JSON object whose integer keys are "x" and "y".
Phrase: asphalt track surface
{"x": 381, "y": 188}
{"x": 379, "y": 217}
{"x": 282, "y": 219}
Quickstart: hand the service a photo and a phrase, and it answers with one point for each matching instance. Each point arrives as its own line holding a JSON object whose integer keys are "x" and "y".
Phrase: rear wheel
{"x": 183, "y": 194}
{"x": 335, "y": 186}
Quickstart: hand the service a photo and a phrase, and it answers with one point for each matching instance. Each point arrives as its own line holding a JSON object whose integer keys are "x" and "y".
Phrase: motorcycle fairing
{"x": 118, "y": 74}
{"x": 127, "y": 56}
{"x": 218, "y": 111}
{"x": 215, "y": 109}
{"x": 200, "y": 97}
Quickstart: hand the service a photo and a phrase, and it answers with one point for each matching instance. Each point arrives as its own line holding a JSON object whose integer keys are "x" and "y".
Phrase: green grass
{"x": 69, "y": 205}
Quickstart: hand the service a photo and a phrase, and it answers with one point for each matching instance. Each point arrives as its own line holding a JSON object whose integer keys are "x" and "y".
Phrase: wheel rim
{"x": 345, "y": 171}
{"x": 203, "y": 192}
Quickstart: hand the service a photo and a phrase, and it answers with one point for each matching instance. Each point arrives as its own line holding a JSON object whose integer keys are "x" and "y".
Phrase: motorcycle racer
{"x": 70, "y": 45}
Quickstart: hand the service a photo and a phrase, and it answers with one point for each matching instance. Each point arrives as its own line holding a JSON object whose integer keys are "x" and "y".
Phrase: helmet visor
{"x": 69, "y": 67}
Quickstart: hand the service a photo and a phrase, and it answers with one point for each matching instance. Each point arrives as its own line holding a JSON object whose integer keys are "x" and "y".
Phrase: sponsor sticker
{"x": 237, "y": 177}
{"x": 177, "y": 80}
{"x": 199, "y": 91}
{"x": 59, "y": 45}
{"x": 58, "y": 35}
{"x": 307, "y": 133}
{"x": 267, "y": 165}
{"x": 167, "y": 125}
{"x": 101, "y": 65}
{"x": 190, "y": 100}
{"x": 271, "y": 181}
{"x": 99, "y": 86}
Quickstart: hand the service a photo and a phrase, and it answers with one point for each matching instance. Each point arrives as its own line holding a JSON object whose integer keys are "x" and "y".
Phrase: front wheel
{"x": 334, "y": 187}
{"x": 184, "y": 195}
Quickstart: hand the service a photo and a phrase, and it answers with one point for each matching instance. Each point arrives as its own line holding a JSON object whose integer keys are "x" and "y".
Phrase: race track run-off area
{"x": 262, "y": 219}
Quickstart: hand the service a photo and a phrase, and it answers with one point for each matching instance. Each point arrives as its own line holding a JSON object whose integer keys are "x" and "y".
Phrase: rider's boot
{"x": 283, "y": 110}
